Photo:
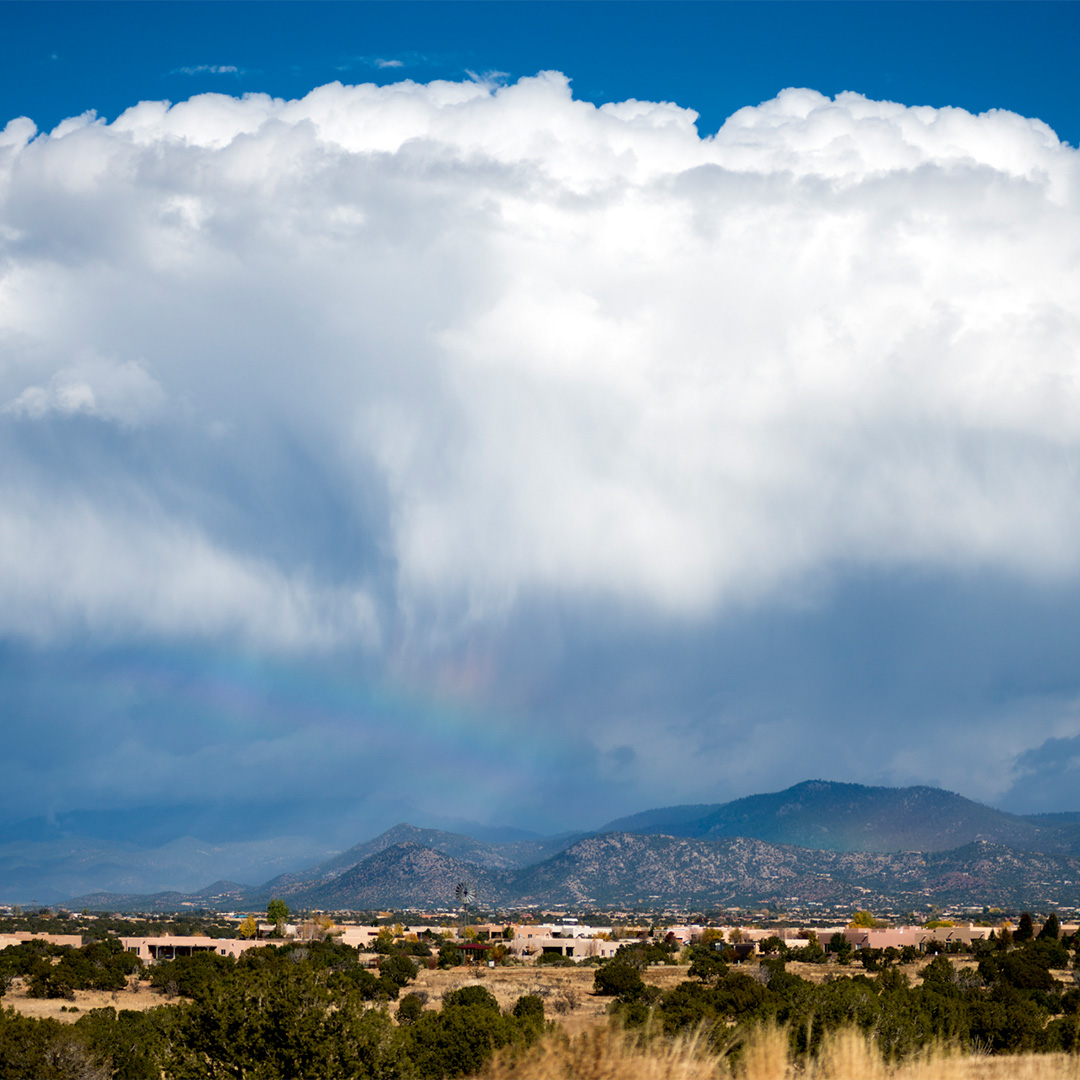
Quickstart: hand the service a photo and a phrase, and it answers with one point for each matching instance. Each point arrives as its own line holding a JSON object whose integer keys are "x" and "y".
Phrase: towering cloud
{"x": 384, "y": 366}
{"x": 531, "y": 344}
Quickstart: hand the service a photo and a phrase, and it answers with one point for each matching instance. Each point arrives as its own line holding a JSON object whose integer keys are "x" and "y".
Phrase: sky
{"x": 529, "y": 414}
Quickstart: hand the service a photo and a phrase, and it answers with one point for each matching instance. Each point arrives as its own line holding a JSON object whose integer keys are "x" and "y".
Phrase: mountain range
{"x": 851, "y": 817}
{"x": 817, "y": 842}
{"x": 52, "y": 871}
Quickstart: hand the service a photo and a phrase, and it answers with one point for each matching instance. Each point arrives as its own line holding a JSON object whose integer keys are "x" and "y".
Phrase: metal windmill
{"x": 465, "y": 895}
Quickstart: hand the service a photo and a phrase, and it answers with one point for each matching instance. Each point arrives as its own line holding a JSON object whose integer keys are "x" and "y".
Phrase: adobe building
{"x": 567, "y": 938}
{"x": 21, "y": 937}
{"x": 168, "y": 947}
{"x": 918, "y": 936}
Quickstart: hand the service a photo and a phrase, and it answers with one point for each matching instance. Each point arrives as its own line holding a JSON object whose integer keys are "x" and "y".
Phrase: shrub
{"x": 529, "y": 1007}
{"x": 450, "y": 956}
{"x": 706, "y": 964}
{"x": 398, "y": 968}
{"x": 410, "y": 1009}
{"x": 618, "y": 979}
{"x": 471, "y": 996}
{"x": 554, "y": 959}
{"x": 459, "y": 1040}
{"x": 191, "y": 976}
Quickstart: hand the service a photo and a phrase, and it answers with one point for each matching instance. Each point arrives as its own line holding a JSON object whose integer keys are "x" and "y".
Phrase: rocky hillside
{"x": 850, "y": 817}
{"x": 408, "y": 875}
{"x": 653, "y": 871}
{"x": 477, "y": 853}
{"x": 650, "y": 870}
{"x": 815, "y": 842}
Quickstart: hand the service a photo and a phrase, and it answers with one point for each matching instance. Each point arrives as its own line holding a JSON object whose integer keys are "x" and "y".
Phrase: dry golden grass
{"x": 138, "y": 996}
{"x": 608, "y": 1053}
{"x": 765, "y": 1055}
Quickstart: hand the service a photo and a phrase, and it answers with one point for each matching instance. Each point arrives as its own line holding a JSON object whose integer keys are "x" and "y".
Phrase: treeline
{"x": 45, "y": 921}
{"x": 1010, "y": 1002}
{"x": 308, "y": 1010}
{"x": 57, "y": 971}
{"x": 315, "y": 1010}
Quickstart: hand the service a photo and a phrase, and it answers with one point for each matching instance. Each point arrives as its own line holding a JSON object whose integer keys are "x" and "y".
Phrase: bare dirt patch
{"x": 566, "y": 991}
{"x": 138, "y": 996}
{"x": 819, "y": 973}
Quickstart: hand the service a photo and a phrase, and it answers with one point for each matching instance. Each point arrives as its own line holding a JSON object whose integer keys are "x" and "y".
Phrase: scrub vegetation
{"x": 316, "y": 1010}
{"x": 762, "y": 1053}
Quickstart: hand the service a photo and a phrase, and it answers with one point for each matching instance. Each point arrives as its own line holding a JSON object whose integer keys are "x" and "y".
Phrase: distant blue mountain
{"x": 825, "y": 815}
{"x": 154, "y": 826}
{"x": 814, "y": 816}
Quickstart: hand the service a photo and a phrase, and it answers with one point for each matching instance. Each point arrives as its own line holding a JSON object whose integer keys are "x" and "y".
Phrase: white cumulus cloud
{"x": 208, "y": 69}
{"x": 123, "y": 392}
{"x": 535, "y": 346}
{"x": 70, "y": 568}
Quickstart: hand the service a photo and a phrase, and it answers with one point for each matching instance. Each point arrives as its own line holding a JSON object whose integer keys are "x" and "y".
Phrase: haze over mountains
{"x": 817, "y": 841}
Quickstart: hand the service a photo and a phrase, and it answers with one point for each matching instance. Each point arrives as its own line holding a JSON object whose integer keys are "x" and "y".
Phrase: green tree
{"x": 840, "y": 947}
{"x": 33, "y": 1049}
{"x": 459, "y": 1040}
{"x": 1051, "y": 928}
{"x": 410, "y": 1009}
{"x": 276, "y": 1017}
{"x": 450, "y": 955}
{"x": 555, "y": 959}
{"x": 618, "y": 979}
{"x": 706, "y": 964}
{"x": 366, "y": 985}
{"x": 939, "y": 973}
{"x": 864, "y": 919}
{"x": 277, "y": 912}
{"x": 398, "y": 968}
{"x": 190, "y": 976}
{"x": 139, "y": 1045}
{"x": 384, "y": 941}
{"x": 686, "y": 1007}
{"x": 530, "y": 1007}
{"x": 810, "y": 953}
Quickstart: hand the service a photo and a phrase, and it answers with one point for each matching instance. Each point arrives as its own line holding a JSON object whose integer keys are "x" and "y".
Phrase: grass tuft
{"x": 611, "y": 1053}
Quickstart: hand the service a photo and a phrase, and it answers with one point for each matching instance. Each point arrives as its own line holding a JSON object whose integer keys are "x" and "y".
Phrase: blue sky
{"x": 62, "y": 58}
{"x": 459, "y": 449}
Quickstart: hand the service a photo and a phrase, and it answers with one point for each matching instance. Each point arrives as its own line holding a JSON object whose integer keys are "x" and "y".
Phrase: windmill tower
{"x": 465, "y": 895}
